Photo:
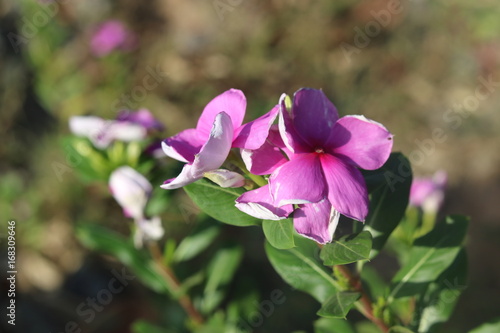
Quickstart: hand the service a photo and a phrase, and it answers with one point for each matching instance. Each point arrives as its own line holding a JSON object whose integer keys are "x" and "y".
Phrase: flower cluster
{"x": 128, "y": 126}
{"x": 312, "y": 158}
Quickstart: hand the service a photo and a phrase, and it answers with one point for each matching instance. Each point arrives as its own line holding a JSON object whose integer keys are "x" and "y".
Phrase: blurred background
{"x": 428, "y": 70}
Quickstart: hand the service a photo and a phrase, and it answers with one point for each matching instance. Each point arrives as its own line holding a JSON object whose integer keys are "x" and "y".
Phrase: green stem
{"x": 174, "y": 284}
{"x": 428, "y": 222}
{"x": 364, "y": 304}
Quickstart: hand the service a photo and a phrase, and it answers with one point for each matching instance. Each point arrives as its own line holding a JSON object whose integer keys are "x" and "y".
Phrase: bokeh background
{"x": 415, "y": 66}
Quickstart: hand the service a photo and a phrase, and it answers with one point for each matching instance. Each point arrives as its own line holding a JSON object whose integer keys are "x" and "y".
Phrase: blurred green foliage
{"x": 424, "y": 62}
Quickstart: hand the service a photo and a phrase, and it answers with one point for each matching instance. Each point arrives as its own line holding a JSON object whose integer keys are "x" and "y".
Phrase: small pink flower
{"x": 110, "y": 36}
{"x": 133, "y": 126}
{"x": 321, "y": 171}
{"x": 206, "y": 147}
{"x": 428, "y": 193}
{"x": 132, "y": 191}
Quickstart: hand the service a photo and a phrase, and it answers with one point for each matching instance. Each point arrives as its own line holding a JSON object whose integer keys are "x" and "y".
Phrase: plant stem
{"x": 174, "y": 284}
{"x": 364, "y": 305}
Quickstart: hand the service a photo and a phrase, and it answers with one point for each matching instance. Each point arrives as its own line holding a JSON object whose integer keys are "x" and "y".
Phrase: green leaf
{"x": 220, "y": 272}
{"x": 100, "y": 239}
{"x": 216, "y": 323}
{"x": 223, "y": 266}
{"x": 366, "y": 326}
{"x": 376, "y": 286}
{"x": 198, "y": 241}
{"x": 301, "y": 268}
{"x": 218, "y": 202}
{"x": 390, "y": 190}
{"x": 399, "y": 329}
{"x": 430, "y": 256}
{"x": 347, "y": 249}
{"x": 279, "y": 233}
{"x": 332, "y": 325}
{"x": 438, "y": 302}
{"x": 338, "y": 305}
{"x": 493, "y": 327}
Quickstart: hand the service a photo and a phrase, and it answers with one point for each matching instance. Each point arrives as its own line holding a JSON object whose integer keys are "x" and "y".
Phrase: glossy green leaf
{"x": 399, "y": 329}
{"x": 197, "y": 242}
{"x": 279, "y": 233}
{"x": 332, "y": 325}
{"x": 338, "y": 305}
{"x": 218, "y": 202}
{"x": 430, "y": 256}
{"x": 390, "y": 189}
{"x": 492, "y": 327}
{"x": 438, "y": 302}
{"x": 347, "y": 249}
{"x": 301, "y": 268}
{"x": 102, "y": 240}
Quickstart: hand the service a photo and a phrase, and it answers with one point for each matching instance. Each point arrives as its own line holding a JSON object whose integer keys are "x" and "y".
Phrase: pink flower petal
{"x": 259, "y": 203}
{"x": 211, "y": 156}
{"x": 317, "y": 221}
{"x": 362, "y": 142}
{"x": 225, "y": 178}
{"x": 126, "y": 131}
{"x": 313, "y": 116}
{"x": 187, "y": 176}
{"x": 103, "y": 132}
{"x": 428, "y": 193}
{"x": 109, "y": 36}
{"x": 290, "y": 137}
{"x": 268, "y": 157}
{"x": 232, "y": 102}
{"x": 252, "y": 135}
{"x": 141, "y": 117}
{"x": 346, "y": 187}
{"x": 131, "y": 190}
{"x": 298, "y": 181}
{"x": 183, "y": 146}
{"x": 86, "y": 126}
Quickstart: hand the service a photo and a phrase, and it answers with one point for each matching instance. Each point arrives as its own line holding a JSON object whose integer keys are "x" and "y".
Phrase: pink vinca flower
{"x": 206, "y": 147}
{"x": 428, "y": 193}
{"x": 110, "y": 36}
{"x": 132, "y": 126}
{"x": 321, "y": 171}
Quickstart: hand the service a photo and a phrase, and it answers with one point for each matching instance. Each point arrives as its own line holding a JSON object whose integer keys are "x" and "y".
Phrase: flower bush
{"x": 298, "y": 172}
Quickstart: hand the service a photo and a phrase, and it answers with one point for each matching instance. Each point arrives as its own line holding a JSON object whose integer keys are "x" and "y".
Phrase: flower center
{"x": 319, "y": 151}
